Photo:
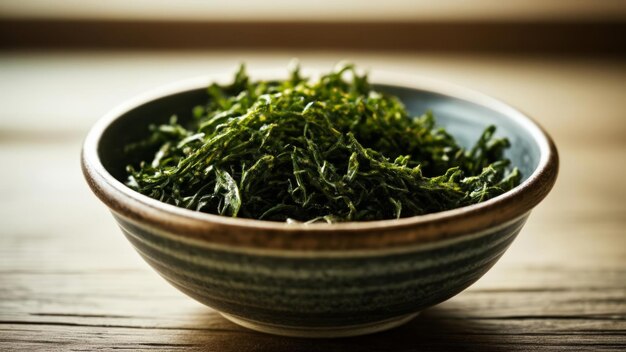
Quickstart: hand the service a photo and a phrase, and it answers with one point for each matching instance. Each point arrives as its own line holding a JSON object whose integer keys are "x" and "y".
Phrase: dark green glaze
{"x": 320, "y": 291}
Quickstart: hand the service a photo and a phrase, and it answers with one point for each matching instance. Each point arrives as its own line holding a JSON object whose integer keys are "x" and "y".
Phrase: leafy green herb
{"x": 329, "y": 150}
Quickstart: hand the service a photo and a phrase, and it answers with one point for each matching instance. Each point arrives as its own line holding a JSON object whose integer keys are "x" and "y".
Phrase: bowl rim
{"x": 143, "y": 210}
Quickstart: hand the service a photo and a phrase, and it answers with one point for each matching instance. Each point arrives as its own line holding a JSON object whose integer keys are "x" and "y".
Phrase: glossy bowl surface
{"x": 323, "y": 280}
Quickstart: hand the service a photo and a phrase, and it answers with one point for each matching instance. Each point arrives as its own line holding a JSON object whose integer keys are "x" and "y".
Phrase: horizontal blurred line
{"x": 324, "y": 10}
{"x": 40, "y": 136}
{"x": 533, "y": 38}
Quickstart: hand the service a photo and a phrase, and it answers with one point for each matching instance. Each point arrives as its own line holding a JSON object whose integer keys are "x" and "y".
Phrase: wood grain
{"x": 70, "y": 281}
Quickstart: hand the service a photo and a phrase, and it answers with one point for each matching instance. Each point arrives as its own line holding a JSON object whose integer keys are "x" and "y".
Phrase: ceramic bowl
{"x": 323, "y": 280}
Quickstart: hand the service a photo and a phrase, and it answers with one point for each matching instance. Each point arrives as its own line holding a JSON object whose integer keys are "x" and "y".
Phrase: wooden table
{"x": 70, "y": 281}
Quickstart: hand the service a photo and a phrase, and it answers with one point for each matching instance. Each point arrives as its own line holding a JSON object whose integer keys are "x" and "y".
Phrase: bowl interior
{"x": 132, "y": 126}
{"x": 466, "y": 121}
{"x": 463, "y": 119}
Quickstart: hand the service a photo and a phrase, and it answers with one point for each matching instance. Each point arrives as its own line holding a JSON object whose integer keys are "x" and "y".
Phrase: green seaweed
{"x": 333, "y": 150}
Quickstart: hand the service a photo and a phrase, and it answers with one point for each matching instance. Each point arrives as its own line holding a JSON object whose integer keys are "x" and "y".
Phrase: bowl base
{"x": 322, "y": 332}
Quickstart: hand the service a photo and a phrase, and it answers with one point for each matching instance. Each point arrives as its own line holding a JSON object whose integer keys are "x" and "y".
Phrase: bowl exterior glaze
{"x": 321, "y": 280}
{"x": 320, "y": 294}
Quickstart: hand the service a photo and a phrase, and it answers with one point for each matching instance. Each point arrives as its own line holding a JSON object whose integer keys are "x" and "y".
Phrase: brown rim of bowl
{"x": 261, "y": 234}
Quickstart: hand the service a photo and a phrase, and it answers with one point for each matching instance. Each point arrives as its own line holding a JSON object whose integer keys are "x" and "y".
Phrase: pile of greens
{"x": 329, "y": 150}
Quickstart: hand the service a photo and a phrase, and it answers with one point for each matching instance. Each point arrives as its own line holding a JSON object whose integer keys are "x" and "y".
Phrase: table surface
{"x": 70, "y": 281}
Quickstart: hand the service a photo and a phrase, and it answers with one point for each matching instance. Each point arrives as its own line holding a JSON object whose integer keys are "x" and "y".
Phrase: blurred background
{"x": 536, "y": 27}
{"x": 63, "y": 64}
{"x": 77, "y": 58}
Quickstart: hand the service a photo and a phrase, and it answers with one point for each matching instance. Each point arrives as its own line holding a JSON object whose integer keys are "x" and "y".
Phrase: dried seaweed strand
{"x": 332, "y": 150}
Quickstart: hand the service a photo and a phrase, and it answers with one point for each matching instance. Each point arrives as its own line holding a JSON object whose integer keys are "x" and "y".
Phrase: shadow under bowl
{"x": 322, "y": 280}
